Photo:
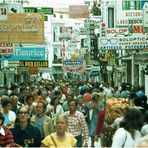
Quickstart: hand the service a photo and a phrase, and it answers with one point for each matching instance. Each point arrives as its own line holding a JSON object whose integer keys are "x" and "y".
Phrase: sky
{"x": 58, "y": 2}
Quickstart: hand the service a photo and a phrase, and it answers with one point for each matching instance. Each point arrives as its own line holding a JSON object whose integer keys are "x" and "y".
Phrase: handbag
{"x": 53, "y": 141}
{"x": 124, "y": 141}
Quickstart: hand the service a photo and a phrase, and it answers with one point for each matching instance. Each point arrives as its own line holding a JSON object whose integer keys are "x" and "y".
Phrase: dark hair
{"x": 70, "y": 94}
{"x": 72, "y": 100}
{"x": 2, "y": 118}
{"x": 133, "y": 118}
{"x": 44, "y": 104}
{"x": 28, "y": 97}
{"x": 18, "y": 111}
{"x": 53, "y": 99}
{"x": 5, "y": 102}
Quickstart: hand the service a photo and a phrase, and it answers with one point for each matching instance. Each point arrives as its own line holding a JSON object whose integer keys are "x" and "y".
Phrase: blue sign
{"x": 26, "y": 53}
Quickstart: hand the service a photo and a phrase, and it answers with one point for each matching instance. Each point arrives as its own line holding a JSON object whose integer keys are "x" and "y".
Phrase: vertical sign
{"x": 63, "y": 51}
{"x": 145, "y": 15}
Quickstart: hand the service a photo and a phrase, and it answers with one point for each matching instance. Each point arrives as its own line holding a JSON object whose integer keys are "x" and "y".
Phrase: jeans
{"x": 79, "y": 140}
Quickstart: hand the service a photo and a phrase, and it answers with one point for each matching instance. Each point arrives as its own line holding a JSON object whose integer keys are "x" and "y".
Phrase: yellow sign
{"x": 22, "y": 28}
{"x": 33, "y": 63}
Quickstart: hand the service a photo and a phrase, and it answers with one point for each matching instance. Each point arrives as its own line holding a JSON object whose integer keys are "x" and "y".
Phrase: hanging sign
{"x": 73, "y": 66}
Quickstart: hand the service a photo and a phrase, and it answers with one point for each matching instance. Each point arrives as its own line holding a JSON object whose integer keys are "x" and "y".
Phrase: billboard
{"x": 73, "y": 66}
{"x": 78, "y": 11}
{"x": 22, "y": 28}
{"x": 33, "y": 63}
{"x": 26, "y": 53}
{"x": 145, "y": 15}
{"x": 117, "y": 43}
{"x": 123, "y": 16}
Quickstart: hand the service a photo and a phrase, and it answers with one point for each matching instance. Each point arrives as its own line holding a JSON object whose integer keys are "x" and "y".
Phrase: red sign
{"x": 138, "y": 29}
{"x": 63, "y": 51}
{"x": 33, "y": 70}
{"x": 6, "y": 48}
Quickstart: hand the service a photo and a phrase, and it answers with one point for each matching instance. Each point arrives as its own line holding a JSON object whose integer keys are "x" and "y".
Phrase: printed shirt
{"x": 77, "y": 125}
{"x": 6, "y": 138}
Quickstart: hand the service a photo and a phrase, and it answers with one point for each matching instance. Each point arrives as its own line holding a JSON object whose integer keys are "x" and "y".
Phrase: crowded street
{"x": 74, "y": 73}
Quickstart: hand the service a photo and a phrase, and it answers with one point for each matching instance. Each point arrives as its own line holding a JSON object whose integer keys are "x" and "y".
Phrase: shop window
{"x": 110, "y": 17}
{"x": 136, "y": 4}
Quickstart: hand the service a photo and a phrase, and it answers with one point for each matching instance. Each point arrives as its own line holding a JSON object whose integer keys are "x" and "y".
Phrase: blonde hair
{"x": 63, "y": 116}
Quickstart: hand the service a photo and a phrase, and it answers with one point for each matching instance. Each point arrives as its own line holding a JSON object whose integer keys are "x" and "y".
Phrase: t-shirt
{"x": 68, "y": 142}
{"x": 122, "y": 138}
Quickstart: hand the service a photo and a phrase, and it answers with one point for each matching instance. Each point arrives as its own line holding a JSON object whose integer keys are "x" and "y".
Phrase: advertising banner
{"x": 78, "y": 11}
{"x": 6, "y": 48}
{"x": 117, "y": 43}
{"x": 124, "y": 15}
{"x": 145, "y": 15}
{"x": 33, "y": 63}
{"x": 26, "y": 53}
{"x": 73, "y": 66}
{"x": 22, "y": 28}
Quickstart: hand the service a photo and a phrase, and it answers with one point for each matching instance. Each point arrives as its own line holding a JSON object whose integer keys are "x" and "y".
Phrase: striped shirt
{"x": 6, "y": 138}
{"x": 77, "y": 125}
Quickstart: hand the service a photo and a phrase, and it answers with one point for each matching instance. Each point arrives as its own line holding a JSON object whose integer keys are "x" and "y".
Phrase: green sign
{"x": 30, "y": 9}
{"x": 45, "y": 18}
{"x": 46, "y": 10}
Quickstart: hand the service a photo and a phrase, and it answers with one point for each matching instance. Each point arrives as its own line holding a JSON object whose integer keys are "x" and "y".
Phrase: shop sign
{"x": 78, "y": 11}
{"x": 30, "y": 9}
{"x": 145, "y": 15}
{"x": 118, "y": 43}
{"x": 33, "y": 70}
{"x": 22, "y": 28}
{"x": 6, "y": 48}
{"x": 116, "y": 31}
{"x": 46, "y": 10}
{"x": 123, "y": 16}
{"x": 26, "y": 53}
{"x": 141, "y": 58}
{"x": 73, "y": 66}
{"x": 3, "y": 12}
{"x": 135, "y": 21}
{"x": 33, "y": 63}
{"x": 138, "y": 29}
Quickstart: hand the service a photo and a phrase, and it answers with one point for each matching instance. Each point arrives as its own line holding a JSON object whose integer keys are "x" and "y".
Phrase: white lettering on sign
{"x": 31, "y": 25}
{"x": 34, "y": 53}
{"x": 6, "y": 48}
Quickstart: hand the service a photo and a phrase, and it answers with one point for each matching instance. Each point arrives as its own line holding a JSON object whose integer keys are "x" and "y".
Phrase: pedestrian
{"x": 95, "y": 106}
{"x": 143, "y": 142}
{"x": 43, "y": 122}
{"x": 6, "y": 137}
{"x": 128, "y": 133}
{"x": 25, "y": 134}
{"x": 77, "y": 124}
{"x": 54, "y": 108}
{"x": 60, "y": 138}
{"x": 9, "y": 115}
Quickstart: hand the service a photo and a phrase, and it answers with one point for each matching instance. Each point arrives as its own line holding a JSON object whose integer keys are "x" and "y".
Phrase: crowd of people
{"x": 65, "y": 113}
